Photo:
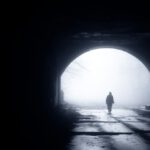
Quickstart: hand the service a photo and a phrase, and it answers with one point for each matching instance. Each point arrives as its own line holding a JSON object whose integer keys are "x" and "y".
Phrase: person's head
{"x": 110, "y": 93}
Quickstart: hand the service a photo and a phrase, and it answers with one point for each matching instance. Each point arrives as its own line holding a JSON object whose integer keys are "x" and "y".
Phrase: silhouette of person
{"x": 109, "y": 102}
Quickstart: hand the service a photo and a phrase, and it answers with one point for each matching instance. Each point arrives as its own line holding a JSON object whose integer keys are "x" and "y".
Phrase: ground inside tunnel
{"x": 123, "y": 129}
{"x": 76, "y": 128}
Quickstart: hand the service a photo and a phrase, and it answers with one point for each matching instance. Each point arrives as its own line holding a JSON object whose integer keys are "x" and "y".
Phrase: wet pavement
{"x": 124, "y": 129}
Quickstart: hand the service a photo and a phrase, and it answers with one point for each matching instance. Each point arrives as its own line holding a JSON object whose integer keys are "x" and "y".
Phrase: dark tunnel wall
{"x": 41, "y": 54}
{"x": 44, "y": 39}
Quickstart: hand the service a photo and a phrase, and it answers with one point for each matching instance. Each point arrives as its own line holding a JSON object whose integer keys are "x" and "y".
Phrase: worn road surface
{"x": 124, "y": 129}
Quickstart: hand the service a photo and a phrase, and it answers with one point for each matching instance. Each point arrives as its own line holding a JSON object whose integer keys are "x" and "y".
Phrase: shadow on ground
{"x": 52, "y": 131}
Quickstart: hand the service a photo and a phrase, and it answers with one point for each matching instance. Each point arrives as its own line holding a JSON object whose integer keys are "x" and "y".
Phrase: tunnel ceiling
{"x": 127, "y": 35}
{"x": 66, "y": 30}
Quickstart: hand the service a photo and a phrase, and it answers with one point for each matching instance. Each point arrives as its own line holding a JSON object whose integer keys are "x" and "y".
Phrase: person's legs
{"x": 109, "y": 108}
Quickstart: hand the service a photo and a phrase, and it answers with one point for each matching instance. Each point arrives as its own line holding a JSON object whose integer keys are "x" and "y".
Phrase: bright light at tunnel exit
{"x": 90, "y": 77}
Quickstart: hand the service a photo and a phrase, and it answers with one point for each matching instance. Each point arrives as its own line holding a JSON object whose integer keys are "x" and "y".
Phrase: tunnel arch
{"x": 132, "y": 53}
{"x": 83, "y": 49}
{"x": 71, "y": 49}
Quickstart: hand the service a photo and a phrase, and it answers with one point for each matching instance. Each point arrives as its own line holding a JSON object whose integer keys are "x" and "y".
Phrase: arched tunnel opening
{"x": 87, "y": 77}
{"x": 52, "y": 89}
{"x": 87, "y": 80}
{"x": 84, "y": 86}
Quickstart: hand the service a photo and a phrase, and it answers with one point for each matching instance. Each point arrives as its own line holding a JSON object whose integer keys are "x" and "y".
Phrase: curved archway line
{"x": 88, "y": 79}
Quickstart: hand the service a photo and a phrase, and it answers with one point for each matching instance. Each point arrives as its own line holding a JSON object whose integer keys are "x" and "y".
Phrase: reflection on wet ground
{"x": 124, "y": 129}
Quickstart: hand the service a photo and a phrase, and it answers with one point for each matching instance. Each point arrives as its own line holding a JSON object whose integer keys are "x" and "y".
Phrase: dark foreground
{"x": 87, "y": 129}
{"x": 45, "y": 134}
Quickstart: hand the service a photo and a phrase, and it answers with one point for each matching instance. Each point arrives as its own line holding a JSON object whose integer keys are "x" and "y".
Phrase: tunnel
{"x": 102, "y": 70}
{"x": 36, "y": 82}
{"x": 44, "y": 40}
{"x": 81, "y": 51}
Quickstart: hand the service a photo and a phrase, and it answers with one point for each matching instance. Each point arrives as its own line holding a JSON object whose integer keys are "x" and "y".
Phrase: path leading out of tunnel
{"x": 122, "y": 130}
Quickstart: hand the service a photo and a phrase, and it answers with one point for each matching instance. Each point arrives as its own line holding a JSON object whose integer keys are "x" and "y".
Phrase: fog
{"x": 89, "y": 78}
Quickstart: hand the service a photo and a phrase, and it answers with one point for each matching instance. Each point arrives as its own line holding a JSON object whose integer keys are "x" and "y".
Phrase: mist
{"x": 89, "y": 78}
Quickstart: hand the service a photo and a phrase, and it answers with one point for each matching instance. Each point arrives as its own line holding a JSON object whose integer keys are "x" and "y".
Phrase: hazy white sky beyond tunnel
{"x": 89, "y": 78}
